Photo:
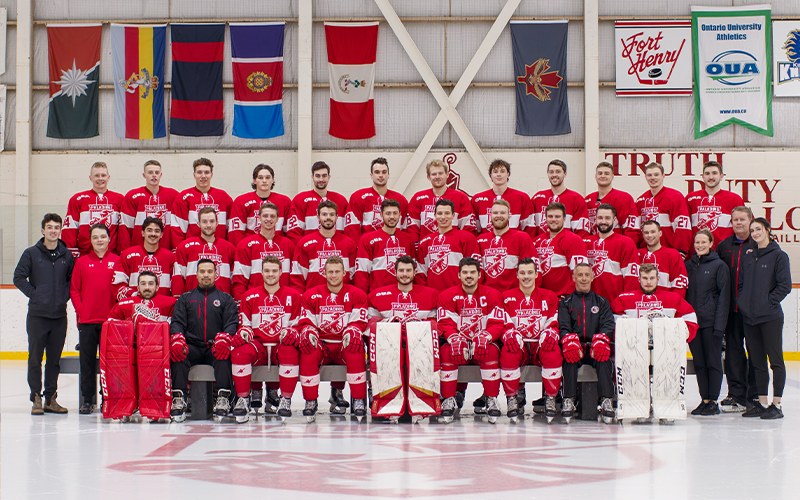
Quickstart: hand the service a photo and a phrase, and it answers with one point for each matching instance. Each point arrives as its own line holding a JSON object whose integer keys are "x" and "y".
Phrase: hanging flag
{"x": 732, "y": 68}
{"x": 138, "y": 53}
{"x": 540, "y": 71}
{"x": 257, "y": 55}
{"x": 352, "y": 48}
{"x": 196, "y": 108}
{"x": 74, "y": 51}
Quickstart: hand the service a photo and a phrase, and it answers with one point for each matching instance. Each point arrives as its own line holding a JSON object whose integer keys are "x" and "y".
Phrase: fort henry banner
{"x": 733, "y": 68}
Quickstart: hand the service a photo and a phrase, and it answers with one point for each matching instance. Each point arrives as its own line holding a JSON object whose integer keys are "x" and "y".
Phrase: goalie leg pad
{"x": 669, "y": 368}
{"x": 385, "y": 361}
{"x": 423, "y": 369}
{"x": 632, "y": 371}
{"x": 155, "y": 392}
{"x": 117, "y": 369}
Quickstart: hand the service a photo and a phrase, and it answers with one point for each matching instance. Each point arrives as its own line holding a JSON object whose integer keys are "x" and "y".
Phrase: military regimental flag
{"x": 139, "y": 80}
{"x": 197, "y": 51}
{"x": 352, "y": 48}
{"x": 540, "y": 73}
{"x": 257, "y": 55}
{"x": 74, "y": 51}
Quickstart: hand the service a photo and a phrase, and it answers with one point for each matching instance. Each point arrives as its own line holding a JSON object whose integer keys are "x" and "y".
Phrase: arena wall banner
{"x": 786, "y": 53}
{"x": 653, "y": 58}
{"x": 732, "y": 68}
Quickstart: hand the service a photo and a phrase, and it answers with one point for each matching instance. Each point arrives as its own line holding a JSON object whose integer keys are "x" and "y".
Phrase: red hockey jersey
{"x": 188, "y": 203}
{"x": 83, "y": 211}
{"x": 244, "y": 219}
{"x": 364, "y": 212}
{"x": 468, "y": 315}
{"x": 672, "y": 276}
{"x": 140, "y": 204}
{"x": 332, "y": 312}
{"x": 159, "y": 308}
{"x": 268, "y": 314}
{"x": 422, "y": 208}
{"x": 556, "y": 258}
{"x": 576, "y": 217}
{"x": 627, "y": 221}
{"x": 389, "y": 302}
{"x": 521, "y": 216}
{"x": 438, "y": 257}
{"x": 712, "y": 213}
{"x": 530, "y": 315}
{"x": 376, "y": 255}
{"x": 136, "y": 259}
{"x": 500, "y": 256}
{"x": 638, "y": 304}
{"x": 189, "y": 253}
{"x": 94, "y": 286}
{"x": 311, "y": 252}
{"x": 614, "y": 261}
{"x": 303, "y": 213}
{"x": 669, "y": 209}
{"x": 247, "y": 261}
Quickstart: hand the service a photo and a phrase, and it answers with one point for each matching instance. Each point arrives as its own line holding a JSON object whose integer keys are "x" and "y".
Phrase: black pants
{"x": 765, "y": 340}
{"x": 201, "y": 356}
{"x": 739, "y": 370}
{"x": 45, "y": 335}
{"x": 707, "y": 353}
{"x": 89, "y": 339}
{"x": 605, "y": 376}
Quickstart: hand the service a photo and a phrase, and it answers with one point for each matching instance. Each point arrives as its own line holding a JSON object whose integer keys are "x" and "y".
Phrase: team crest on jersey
{"x": 470, "y": 321}
{"x": 101, "y": 213}
{"x": 270, "y": 319}
{"x": 332, "y": 318}
{"x": 592, "y": 212}
{"x": 391, "y": 254}
{"x": 650, "y": 213}
{"x": 708, "y": 217}
{"x": 206, "y": 201}
{"x": 404, "y": 309}
{"x": 156, "y": 211}
{"x": 494, "y": 261}
{"x": 543, "y": 219}
{"x": 598, "y": 259}
{"x": 545, "y": 255}
{"x": 377, "y": 221}
{"x": 439, "y": 256}
{"x": 528, "y": 322}
{"x": 323, "y": 257}
{"x": 429, "y": 218}
{"x": 644, "y": 307}
{"x": 151, "y": 264}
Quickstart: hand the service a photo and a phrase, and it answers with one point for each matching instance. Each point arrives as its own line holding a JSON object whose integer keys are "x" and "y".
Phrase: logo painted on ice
{"x": 733, "y": 67}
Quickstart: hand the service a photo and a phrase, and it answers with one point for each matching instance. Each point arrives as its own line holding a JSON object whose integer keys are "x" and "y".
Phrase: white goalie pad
{"x": 632, "y": 359}
{"x": 386, "y": 370}
{"x": 423, "y": 369}
{"x": 669, "y": 368}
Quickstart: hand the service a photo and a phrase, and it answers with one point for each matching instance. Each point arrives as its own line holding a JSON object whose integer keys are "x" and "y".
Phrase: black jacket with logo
{"x": 765, "y": 280}
{"x": 585, "y": 314}
{"x": 709, "y": 290}
{"x": 202, "y": 313}
{"x": 44, "y": 276}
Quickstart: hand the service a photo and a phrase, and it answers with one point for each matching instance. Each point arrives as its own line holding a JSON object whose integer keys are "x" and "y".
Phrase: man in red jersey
{"x": 520, "y": 211}
{"x": 364, "y": 209}
{"x": 422, "y": 207}
{"x": 667, "y": 207}
{"x": 146, "y": 305}
{"x": 378, "y": 250}
{"x": 440, "y": 253}
{"x": 150, "y": 200}
{"x": 206, "y": 246}
{"x": 95, "y": 206}
{"x": 149, "y": 256}
{"x": 557, "y": 252}
{"x": 303, "y": 214}
{"x": 711, "y": 207}
{"x": 575, "y": 216}
{"x": 187, "y": 205}
{"x": 627, "y": 221}
{"x": 245, "y": 220}
{"x": 501, "y": 248}
{"x": 672, "y": 274}
{"x": 613, "y": 257}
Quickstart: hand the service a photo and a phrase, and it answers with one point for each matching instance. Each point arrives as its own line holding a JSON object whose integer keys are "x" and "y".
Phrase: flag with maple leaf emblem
{"x": 74, "y": 52}
{"x": 540, "y": 75}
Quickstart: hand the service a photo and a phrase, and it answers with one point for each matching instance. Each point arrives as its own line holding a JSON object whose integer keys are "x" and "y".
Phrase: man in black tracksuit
{"x": 203, "y": 323}
{"x": 43, "y": 274}
{"x": 588, "y": 316}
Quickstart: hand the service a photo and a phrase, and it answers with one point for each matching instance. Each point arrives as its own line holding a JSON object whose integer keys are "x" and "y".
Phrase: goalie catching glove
{"x": 572, "y": 348}
{"x": 221, "y": 349}
{"x": 178, "y": 349}
{"x": 459, "y": 349}
{"x": 601, "y": 349}
{"x": 352, "y": 340}
{"x": 513, "y": 341}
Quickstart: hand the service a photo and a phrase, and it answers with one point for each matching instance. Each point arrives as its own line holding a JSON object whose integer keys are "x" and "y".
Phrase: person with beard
{"x": 502, "y": 248}
{"x": 557, "y": 252}
{"x": 303, "y": 218}
{"x": 612, "y": 256}
{"x": 149, "y": 256}
{"x": 206, "y": 246}
{"x": 378, "y": 250}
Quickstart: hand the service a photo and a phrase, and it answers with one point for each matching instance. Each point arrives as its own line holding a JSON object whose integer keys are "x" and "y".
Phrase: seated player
{"x": 149, "y": 256}
{"x": 203, "y": 325}
{"x": 378, "y": 250}
{"x": 530, "y": 337}
{"x": 586, "y": 328}
{"x": 268, "y": 312}
{"x": 332, "y": 325}
{"x": 146, "y": 305}
{"x": 470, "y": 320}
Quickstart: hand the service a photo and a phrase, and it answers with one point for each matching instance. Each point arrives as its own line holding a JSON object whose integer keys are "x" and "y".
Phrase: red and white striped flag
{"x": 351, "y": 65}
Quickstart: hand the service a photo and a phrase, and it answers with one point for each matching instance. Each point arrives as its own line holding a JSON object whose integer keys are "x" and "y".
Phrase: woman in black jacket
{"x": 709, "y": 294}
{"x": 765, "y": 280}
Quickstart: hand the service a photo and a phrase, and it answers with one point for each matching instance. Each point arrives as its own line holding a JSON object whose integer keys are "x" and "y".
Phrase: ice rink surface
{"x": 84, "y": 457}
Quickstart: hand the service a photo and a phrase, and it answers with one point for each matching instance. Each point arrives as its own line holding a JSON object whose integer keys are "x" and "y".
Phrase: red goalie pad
{"x": 117, "y": 369}
{"x": 155, "y": 386}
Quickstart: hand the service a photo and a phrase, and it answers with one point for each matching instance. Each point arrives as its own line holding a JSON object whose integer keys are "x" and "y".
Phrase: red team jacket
{"x": 388, "y": 302}
{"x": 669, "y": 209}
{"x": 439, "y": 254}
{"x": 188, "y": 203}
{"x": 614, "y": 262}
{"x": 247, "y": 261}
{"x": 136, "y": 259}
{"x": 303, "y": 214}
{"x": 268, "y": 314}
{"x": 159, "y": 308}
{"x": 83, "y": 211}
{"x": 521, "y": 210}
{"x": 140, "y": 204}
{"x": 712, "y": 213}
{"x": 576, "y": 217}
{"x": 672, "y": 274}
{"x": 330, "y": 313}
{"x": 311, "y": 252}
{"x": 244, "y": 219}
{"x": 468, "y": 315}
{"x": 189, "y": 253}
{"x": 421, "y": 210}
{"x": 364, "y": 212}
{"x": 530, "y": 316}
{"x": 500, "y": 256}
{"x": 376, "y": 255}
{"x": 638, "y": 304}
{"x": 556, "y": 258}
{"x": 627, "y": 221}
{"x": 94, "y": 286}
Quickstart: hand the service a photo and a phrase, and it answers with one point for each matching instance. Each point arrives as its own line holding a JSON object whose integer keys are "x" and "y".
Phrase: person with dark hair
{"x": 364, "y": 208}
{"x": 422, "y": 206}
{"x": 378, "y": 250}
{"x": 558, "y": 251}
{"x": 303, "y": 219}
{"x": 146, "y": 305}
{"x": 149, "y": 256}
{"x": 575, "y": 216}
{"x": 87, "y": 208}
{"x": 187, "y": 205}
{"x": 668, "y": 261}
{"x": 710, "y": 207}
{"x": 245, "y": 220}
{"x": 765, "y": 280}
{"x": 709, "y": 294}
{"x": 520, "y": 208}
{"x": 502, "y": 247}
{"x": 150, "y": 200}
{"x": 668, "y": 207}
{"x": 612, "y": 256}
{"x": 626, "y": 221}
{"x": 206, "y": 246}
{"x": 43, "y": 274}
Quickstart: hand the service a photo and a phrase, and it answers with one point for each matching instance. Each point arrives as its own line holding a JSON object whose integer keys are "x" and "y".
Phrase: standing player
{"x": 575, "y": 216}
{"x": 440, "y": 253}
{"x": 530, "y": 337}
{"x": 378, "y": 250}
{"x": 557, "y": 252}
{"x": 470, "y": 319}
{"x": 251, "y": 251}
{"x": 95, "y": 206}
{"x": 627, "y": 220}
{"x": 520, "y": 211}
{"x": 364, "y": 214}
{"x": 207, "y": 246}
{"x": 303, "y": 215}
{"x": 613, "y": 257}
{"x": 710, "y": 207}
{"x": 667, "y": 207}
{"x": 314, "y": 249}
{"x": 672, "y": 270}
{"x": 245, "y": 220}
{"x": 150, "y": 200}
{"x": 149, "y": 256}
{"x": 147, "y": 304}
{"x": 422, "y": 207}
{"x": 187, "y": 205}
{"x": 501, "y": 249}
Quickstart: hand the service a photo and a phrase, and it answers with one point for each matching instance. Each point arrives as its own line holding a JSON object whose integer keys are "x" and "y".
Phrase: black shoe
{"x": 772, "y": 412}
{"x": 754, "y": 411}
{"x": 712, "y": 408}
{"x": 86, "y": 409}
{"x": 699, "y": 409}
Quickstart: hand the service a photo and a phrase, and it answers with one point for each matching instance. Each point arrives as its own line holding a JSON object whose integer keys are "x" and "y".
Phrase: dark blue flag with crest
{"x": 540, "y": 73}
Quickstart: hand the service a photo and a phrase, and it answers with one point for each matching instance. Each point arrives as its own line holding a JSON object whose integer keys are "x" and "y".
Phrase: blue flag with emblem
{"x": 540, "y": 74}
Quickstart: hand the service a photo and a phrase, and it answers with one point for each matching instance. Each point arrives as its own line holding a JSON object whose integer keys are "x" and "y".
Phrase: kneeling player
{"x": 470, "y": 319}
{"x": 268, "y": 314}
{"x": 332, "y": 324}
{"x": 530, "y": 337}
{"x": 586, "y": 327}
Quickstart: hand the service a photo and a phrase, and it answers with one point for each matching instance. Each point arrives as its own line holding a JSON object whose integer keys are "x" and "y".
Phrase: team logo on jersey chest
{"x": 270, "y": 319}
{"x": 404, "y": 309}
{"x": 470, "y": 321}
{"x": 391, "y": 254}
{"x": 645, "y": 306}
{"x": 323, "y": 255}
{"x": 708, "y": 217}
{"x": 650, "y": 213}
{"x": 545, "y": 255}
{"x": 598, "y": 259}
{"x": 377, "y": 221}
{"x": 332, "y": 318}
{"x": 528, "y": 322}
{"x": 152, "y": 267}
{"x": 439, "y": 256}
{"x": 494, "y": 261}
{"x": 592, "y": 216}
{"x": 157, "y": 211}
{"x": 101, "y": 213}
{"x": 428, "y": 218}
